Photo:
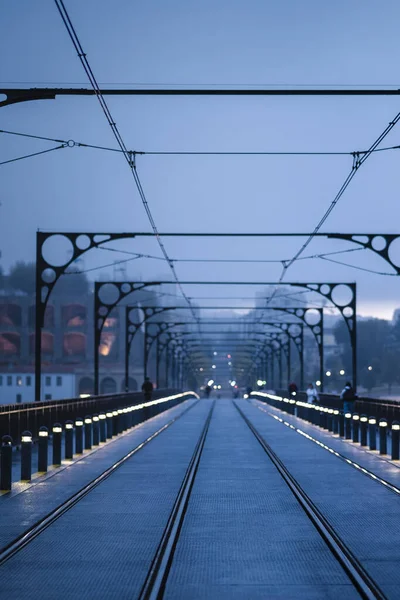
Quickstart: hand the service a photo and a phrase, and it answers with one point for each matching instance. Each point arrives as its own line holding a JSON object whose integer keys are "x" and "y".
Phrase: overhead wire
{"x": 12, "y": 160}
{"x": 72, "y": 143}
{"x": 127, "y": 155}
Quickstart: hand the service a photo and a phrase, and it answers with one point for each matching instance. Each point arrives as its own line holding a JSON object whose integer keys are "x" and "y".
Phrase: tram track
{"x": 156, "y": 579}
{"x": 363, "y": 582}
{"x": 20, "y": 542}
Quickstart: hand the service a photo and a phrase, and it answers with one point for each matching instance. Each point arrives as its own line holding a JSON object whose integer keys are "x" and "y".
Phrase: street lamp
{"x": 328, "y": 373}
{"x": 341, "y": 372}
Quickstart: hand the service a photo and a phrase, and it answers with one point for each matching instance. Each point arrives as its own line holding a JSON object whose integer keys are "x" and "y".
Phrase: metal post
{"x": 382, "y": 436}
{"x": 69, "y": 439}
{"x": 347, "y": 428}
{"x": 88, "y": 433}
{"x": 43, "y": 449}
{"x": 110, "y": 424}
{"x": 395, "y": 440}
{"x": 356, "y": 427}
{"x": 158, "y": 362}
{"x": 321, "y": 355}
{"x": 39, "y": 323}
{"x": 302, "y": 359}
{"x": 103, "y": 425}
{"x": 363, "y": 430}
{"x": 26, "y": 456}
{"x": 372, "y": 433}
{"x": 57, "y": 438}
{"x": 78, "y": 436}
{"x": 96, "y": 432}
{"x": 127, "y": 348}
{"x": 6, "y": 463}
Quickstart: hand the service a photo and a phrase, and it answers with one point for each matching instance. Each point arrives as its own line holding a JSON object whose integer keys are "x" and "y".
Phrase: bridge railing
{"x": 371, "y": 407}
{"x": 17, "y": 418}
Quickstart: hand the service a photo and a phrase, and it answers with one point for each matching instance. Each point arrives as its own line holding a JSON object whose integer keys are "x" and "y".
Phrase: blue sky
{"x": 286, "y": 43}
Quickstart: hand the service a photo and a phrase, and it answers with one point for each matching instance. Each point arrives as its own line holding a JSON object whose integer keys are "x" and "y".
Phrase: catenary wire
{"x": 128, "y": 156}
{"x": 72, "y": 143}
{"x": 12, "y": 160}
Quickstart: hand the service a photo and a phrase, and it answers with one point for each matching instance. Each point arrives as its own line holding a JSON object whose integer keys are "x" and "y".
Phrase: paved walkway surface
{"x": 244, "y": 534}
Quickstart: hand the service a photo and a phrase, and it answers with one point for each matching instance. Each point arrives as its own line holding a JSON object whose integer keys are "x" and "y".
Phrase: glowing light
{"x": 215, "y": 387}
{"x": 84, "y": 395}
{"x": 210, "y": 382}
{"x": 245, "y": 396}
{"x": 233, "y": 383}
{"x": 215, "y": 353}
{"x": 26, "y": 438}
{"x": 201, "y": 369}
{"x": 228, "y": 356}
{"x": 369, "y": 368}
{"x": 43, "y": 433}
{"x": 260, "y": 382}
{"x": 229, "y": 364}
{"x": 214, "y": 366}
{"x": 328, "y": 373}
{"x": 341, "y": 372}
{"x": 219, "y": 387}
{"x": 57, "y": 429}
{"x": 318, "y": 383}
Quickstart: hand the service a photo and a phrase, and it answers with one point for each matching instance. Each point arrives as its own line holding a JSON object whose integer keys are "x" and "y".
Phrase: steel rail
{"x": 154, "y": 585}
{"x": 32, "y": 532}
{"x": 365, "y": 585}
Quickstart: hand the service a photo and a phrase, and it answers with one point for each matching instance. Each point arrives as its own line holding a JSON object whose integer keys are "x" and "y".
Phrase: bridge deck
{"x": 243, "y": 532}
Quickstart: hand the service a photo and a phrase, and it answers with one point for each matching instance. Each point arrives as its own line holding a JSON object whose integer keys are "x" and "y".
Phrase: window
{"x": 19, "y": 398}
{"x": 1, "y": 379}
{"x": 59, "y": 380}
{"x": 47, "y": 381}
{"x": 9, "y": 380}
{"x": 47, "y": 396}
{"x": 28, "y": 380}
{"x": 19, "y": 380}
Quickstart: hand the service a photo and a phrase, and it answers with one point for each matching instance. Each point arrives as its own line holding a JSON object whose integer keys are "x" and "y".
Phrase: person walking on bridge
{"x": 147, "y": 389}
{"x": 312, "y": 394}
{"x": 348, "y": 396}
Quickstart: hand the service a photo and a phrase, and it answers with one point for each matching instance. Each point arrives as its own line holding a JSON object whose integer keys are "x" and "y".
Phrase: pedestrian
{"x": 312, "y": 394}
{"x": 293, "y": 389}
{"x": 147, "y": 388}
{"x": 349, "y": 398}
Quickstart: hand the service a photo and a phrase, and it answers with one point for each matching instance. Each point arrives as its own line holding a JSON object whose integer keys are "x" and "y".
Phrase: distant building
{"x": 67, "y": 348}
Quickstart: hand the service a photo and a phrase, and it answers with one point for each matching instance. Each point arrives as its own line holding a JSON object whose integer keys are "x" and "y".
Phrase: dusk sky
{"x": 206, "y": 44}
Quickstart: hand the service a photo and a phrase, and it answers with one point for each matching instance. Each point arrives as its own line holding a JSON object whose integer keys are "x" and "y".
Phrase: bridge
{"x": 227, "y": 480}
{"x": 188, "y": 497}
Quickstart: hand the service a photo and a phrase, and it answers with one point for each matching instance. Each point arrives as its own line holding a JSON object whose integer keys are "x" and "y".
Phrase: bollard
{"x": 341, "y": 424}
{"x": 129, "y": 417}
{"x": 88, "y": 433}
{"x": 347, "y": 426}
{"x": 356, "y": 427}
{"x": 96, "y": 433}
{"x": 363, "y": 430}
{"x": 26, "y": 456}
{"x": 335, "y": 422}
{"x": 329, "y": 421}
{"x": 57, "y": 439}
{"x": 395, "y": 440}
{"x": 125, "y": 414}
{"x": 115, "y": 422}
{"x": 372, "y": 433}
{"x": 43, "y": 451}
{"x": 6, "y": 463}
{"x": 78, "y": 436}
{"x": 120, "y": 420}
{"x": 69, "y": 439}
{"x": 110, "y": 424}
{"x": 103, "y": 427}
{"x": 382, "y": 436}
